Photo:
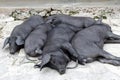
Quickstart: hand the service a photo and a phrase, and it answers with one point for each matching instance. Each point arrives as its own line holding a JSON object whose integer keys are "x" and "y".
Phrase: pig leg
{"x": 89, "y": 60}
{"x": 109, "y": 56}
{"x": 35, "y": 53}
{"x": 27, "y": 57}
{"x": 113, "y": 62}
{"x": 113, "y": 36}
{"x": 71, "y": 50}
{"x": 112, "y": 41}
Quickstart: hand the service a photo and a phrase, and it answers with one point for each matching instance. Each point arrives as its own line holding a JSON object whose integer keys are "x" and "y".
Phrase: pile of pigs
{"x": 59, "y": 39}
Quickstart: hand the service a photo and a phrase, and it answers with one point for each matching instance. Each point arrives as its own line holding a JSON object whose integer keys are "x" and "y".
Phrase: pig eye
{"x": 53, "y": 61}
{"x": 56, "y": 63}
{"x": 60, "y": 63}
{"x": 111, "y": 30}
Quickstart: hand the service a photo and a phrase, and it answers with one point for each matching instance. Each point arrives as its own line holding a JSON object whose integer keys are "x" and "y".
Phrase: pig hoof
{"x": 36, "y": 66}
{"x": 84, "y": 60}
{"x": 38, "y": 51}
{"x": 12, "y": 53}
{"x": 117, "y": 64}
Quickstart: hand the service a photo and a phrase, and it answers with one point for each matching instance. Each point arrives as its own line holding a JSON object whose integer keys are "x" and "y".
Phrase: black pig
{"x": 58, "y": 39}
{"x": 36, "y": 40}
{"x": 90, "y": 41}
{"x": 20, "y": 32}
{"x": 78, "y": 22}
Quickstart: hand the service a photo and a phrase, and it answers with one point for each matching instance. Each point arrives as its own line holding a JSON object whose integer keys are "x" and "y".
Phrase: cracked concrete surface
{"x": 13, "y": 67}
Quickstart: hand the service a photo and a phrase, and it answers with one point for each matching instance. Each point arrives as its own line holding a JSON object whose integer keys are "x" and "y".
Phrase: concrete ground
{"x": 14, "y": 67}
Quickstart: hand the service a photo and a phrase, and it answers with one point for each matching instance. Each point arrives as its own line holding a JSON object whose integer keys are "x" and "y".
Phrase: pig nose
{"x": 12, "y": 52}
{"x": 61, "y": 71}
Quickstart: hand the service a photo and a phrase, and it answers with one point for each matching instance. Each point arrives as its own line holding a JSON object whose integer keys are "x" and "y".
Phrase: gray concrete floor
{"x": 13, "y": 67}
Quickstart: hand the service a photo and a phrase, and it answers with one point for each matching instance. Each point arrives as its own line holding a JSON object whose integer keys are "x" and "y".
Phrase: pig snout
{"x": 33, "y": 54}
{"x": 61, "y": 71}
{"x": 12, "y": 51}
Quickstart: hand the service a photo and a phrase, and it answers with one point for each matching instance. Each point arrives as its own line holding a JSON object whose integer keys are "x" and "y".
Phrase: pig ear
{"x": 89, "y": 22}
{"x": 6, "y": 42}
{"x": 19, "y": 41}
{"x": 99, "y": 21}
{"x": 45, "y": 60}
{"x": 65, "y": 55}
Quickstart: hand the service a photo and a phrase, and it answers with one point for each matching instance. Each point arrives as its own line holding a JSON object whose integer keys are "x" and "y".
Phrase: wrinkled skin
{"x": 58, "y": 38}
{"x": 20, "y": 32}
{"x": 90, "y": 41}
{"x": 37, "y": 39}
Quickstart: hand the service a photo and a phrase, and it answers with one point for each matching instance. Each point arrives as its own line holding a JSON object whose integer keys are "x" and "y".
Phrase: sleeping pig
{"x": 36, "y": 40}
{"x": 20, "y": 32}
{"x": 58, "y": 40}
{"x": 90, "y": 41}
{"x": 81, "y": 22}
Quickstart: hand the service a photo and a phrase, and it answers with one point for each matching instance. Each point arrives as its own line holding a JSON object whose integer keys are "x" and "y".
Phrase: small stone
{"x": 33, "y": 12}
{"x": 20, "y": 14}
{"x": 55, "y": 12}
{"x": 43, "y": 12}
